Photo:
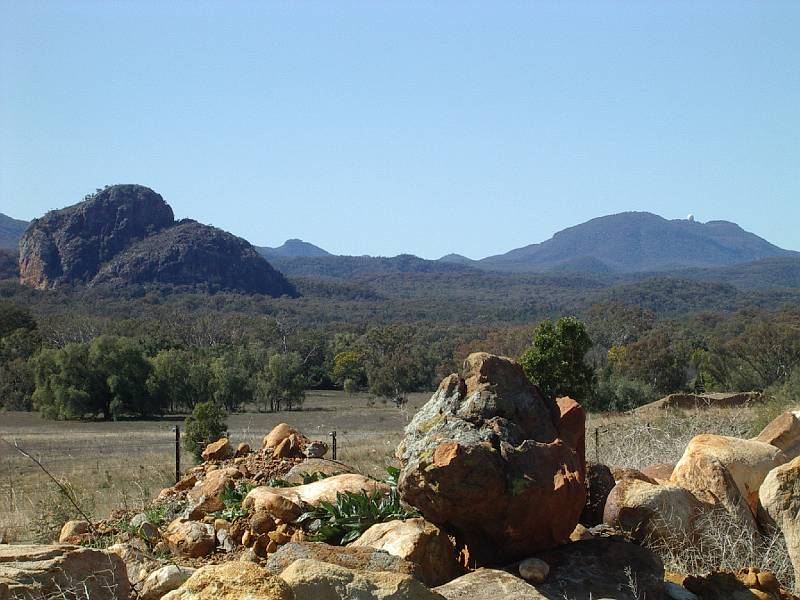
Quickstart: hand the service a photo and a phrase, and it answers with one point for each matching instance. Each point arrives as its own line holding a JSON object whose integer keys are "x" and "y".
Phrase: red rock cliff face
{"x": 70, "y": 245}
{"x": 127, "y": 235}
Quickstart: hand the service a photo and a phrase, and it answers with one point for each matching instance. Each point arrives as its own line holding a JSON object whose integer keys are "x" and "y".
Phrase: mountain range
{"x": 619, "y": 244}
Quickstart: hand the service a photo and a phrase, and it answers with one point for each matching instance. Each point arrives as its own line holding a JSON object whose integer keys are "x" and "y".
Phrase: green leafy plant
{"x": 232, "y": 497}
{"x": 351, "y": 514}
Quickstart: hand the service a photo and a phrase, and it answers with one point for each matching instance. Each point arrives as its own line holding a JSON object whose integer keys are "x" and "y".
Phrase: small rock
{"x": 137, "y": 520}
{"x": 189, "y": 538}
{"x": 148, "y": 531}
{"x": 316, "y": 449}
{"x": 219, "y": 450}
{"x": 280, "y": 432}
{"x": 242, "y": 450}
{"x": 534, "y": 570}
{"x": 163, "y": 581}
{"x": 72, "y": 529}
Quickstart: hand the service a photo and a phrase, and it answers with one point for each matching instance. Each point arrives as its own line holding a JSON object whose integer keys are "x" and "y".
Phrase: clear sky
{"x": 378, "y": 127}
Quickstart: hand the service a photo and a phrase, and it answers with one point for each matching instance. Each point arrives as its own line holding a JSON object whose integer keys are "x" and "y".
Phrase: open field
{"x": 124, "y": 464}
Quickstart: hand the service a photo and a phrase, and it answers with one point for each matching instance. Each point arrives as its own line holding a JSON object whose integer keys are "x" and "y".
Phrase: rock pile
{"x": 498, "y": 476}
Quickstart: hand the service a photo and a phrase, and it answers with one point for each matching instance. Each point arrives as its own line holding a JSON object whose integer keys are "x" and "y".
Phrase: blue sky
{"x": 424, "y": 127}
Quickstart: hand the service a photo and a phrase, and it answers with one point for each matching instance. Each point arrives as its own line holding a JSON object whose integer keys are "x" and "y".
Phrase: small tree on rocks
{"x": 206, "y": 424}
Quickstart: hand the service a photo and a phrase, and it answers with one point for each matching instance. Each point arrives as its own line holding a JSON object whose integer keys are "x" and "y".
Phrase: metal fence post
{"x": 333, "y": 444}
{"x": 177, "y": 453}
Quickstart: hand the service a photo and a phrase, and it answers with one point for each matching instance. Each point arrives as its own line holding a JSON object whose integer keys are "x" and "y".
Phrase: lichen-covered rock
{"x": 492, "y": 460}
{"x": 233, "y": 580}
{"x": 62, "y": 571}
{"x": 419, "y": 542}
{"x": 326, "y": 581}
{"x": 349, "y": 557}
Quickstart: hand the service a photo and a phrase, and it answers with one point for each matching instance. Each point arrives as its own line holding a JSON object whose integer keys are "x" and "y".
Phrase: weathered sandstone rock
{"x": 206, "y": 495}
{"x": 417, "y": 541}
{"x": 727, "y": 472}
{"x": 783, "y": 432}
{"x": 780, "y": 499}
{"x": 492, "y": 460}
{"x": 219, "y": 450}
{"x": 356, "y": 558}
{"x": 163, "y": 581}
{"x": 72, "y": 529}
{"x": 489, "y": 584}
{"x": 646, "y": 510}
{"x": 233, "y": 580}
{"x": 34, "y": 572}
{"x": 326, "y": 581}
{"x": 190, "y": 538}
{"x": 289, "y": 501}
{"x": 280, "y": 432}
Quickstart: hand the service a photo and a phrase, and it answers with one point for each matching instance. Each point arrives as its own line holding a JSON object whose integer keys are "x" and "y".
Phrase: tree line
{"x": 615, "y": 357}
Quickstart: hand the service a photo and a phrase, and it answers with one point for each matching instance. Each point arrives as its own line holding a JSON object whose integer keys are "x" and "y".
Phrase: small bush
{"x": 617, "y": 393}
{"x": 352, "y": 514}
{"x": 205, "y": 425}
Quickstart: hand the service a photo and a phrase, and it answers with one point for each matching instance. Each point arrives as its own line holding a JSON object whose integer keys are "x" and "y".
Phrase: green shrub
{"x": 617, "y": 393}
{"x": 206, "y": 424}
{"x": 352, "y": 514}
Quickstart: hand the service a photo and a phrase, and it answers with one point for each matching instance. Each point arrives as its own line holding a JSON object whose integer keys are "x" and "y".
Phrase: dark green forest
{"x": 141, "y": 351}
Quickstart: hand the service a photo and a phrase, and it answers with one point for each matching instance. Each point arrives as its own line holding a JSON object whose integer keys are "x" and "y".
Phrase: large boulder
{"x": 326, "y": 581}
{"x": 277, "y": 434}
{"x": 233, "y": 580}
{"x": 190, "y": 539}
{"x": 780, "y": 499}
{"x": 358, "y": 559}
{"x": 493, "y": 461}
{"x": 62, "y": 571}
{"x": 645, "y": 510}
{"x": 727, "y": 472}
{"x": 783, "y": 432}
{"x": 418, "y": 541}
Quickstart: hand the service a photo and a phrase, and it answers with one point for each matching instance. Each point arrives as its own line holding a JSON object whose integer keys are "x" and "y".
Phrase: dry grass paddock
{"x": 124, "y": 464}
{"x": 109, "y": 465}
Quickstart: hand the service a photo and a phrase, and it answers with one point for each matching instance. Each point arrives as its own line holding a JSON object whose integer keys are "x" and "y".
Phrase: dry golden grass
{"x": 125, "y": 464}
